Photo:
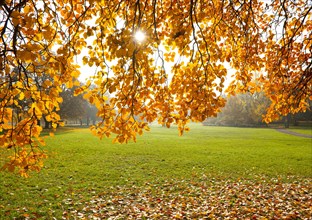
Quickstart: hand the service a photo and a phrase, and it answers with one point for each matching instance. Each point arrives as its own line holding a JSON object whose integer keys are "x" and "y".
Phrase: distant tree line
{"x": 247, "y": 110}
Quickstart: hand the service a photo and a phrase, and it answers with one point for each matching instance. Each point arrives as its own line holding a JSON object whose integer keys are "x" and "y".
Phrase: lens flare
{"x": 139, "y": 36}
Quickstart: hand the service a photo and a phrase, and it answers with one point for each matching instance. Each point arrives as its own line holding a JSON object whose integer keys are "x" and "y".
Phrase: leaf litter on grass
{"x": 202, "y": 199}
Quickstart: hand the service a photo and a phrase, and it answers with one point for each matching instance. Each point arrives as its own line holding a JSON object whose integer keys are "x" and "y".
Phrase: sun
{"x": 139, "y": 36}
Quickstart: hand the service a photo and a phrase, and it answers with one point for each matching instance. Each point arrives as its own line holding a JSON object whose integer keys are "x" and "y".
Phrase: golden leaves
{"x": 25, "y": 138}
{"x": 30, "y": 83}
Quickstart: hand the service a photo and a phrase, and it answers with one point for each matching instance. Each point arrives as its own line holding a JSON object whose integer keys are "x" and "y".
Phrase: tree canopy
{"x": 177, "y": 72}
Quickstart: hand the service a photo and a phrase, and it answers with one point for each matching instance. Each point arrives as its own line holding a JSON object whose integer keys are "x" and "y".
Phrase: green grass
{"x": 81, "y": 166}
{"x": 302, "y": 130}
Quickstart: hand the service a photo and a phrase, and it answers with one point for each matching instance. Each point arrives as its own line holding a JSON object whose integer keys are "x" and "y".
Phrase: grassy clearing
{"x": 81, "y": 166}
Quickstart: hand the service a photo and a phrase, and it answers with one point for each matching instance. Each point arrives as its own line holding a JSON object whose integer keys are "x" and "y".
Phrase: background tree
{"x": 91, "y": 114}
{"x": 199, "y": 39}
{"x": 72, "y": 107}
{"x": 242, "y": 110}
{"x": 76, "y": 107}
{"x": 234, "y": 113}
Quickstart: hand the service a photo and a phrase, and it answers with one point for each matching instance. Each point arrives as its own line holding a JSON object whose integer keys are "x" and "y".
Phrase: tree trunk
{"x": 287, "y": 120}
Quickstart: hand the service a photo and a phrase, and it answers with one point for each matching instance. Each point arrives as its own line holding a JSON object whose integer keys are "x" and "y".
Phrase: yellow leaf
{"x": 26, "y": 9}
{"x": 48, "y": 118}
{"x": 85, "y": 60}
{"x": 75, "y": 73}
{"x": 41, "y": 141}
{"x": 15, "y": 17}
{"x": 21, "y": 96}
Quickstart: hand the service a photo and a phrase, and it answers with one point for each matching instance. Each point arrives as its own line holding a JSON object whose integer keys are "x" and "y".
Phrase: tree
{"x": 91, "y": 114}
{"x": 76, "y": 107}
{"x": 242, "y": 110}
{"x": 72, "y": 107}
{"x": 200, "y": 39}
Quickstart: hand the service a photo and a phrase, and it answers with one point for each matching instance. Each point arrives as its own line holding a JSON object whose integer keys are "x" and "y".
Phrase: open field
{"x": 88, "y": 177}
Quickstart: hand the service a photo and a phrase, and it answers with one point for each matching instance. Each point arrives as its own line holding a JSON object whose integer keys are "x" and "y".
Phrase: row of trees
{"x": 242, "y": 110}
{"x": 249, "y": 109}
{"x": 246, "y": 109}
{"x": 73, "y": 107}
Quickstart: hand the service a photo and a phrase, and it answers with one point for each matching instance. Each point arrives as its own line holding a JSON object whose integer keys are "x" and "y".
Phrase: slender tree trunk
{"x": 287, "y": 120}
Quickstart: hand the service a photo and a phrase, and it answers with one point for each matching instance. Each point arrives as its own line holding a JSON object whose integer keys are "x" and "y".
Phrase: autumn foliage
{"x": 177, "y": 74}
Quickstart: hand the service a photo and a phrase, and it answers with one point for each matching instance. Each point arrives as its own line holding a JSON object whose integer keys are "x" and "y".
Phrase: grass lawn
{"x": 83, "y": 170}
{"x": 302, "y": 130}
